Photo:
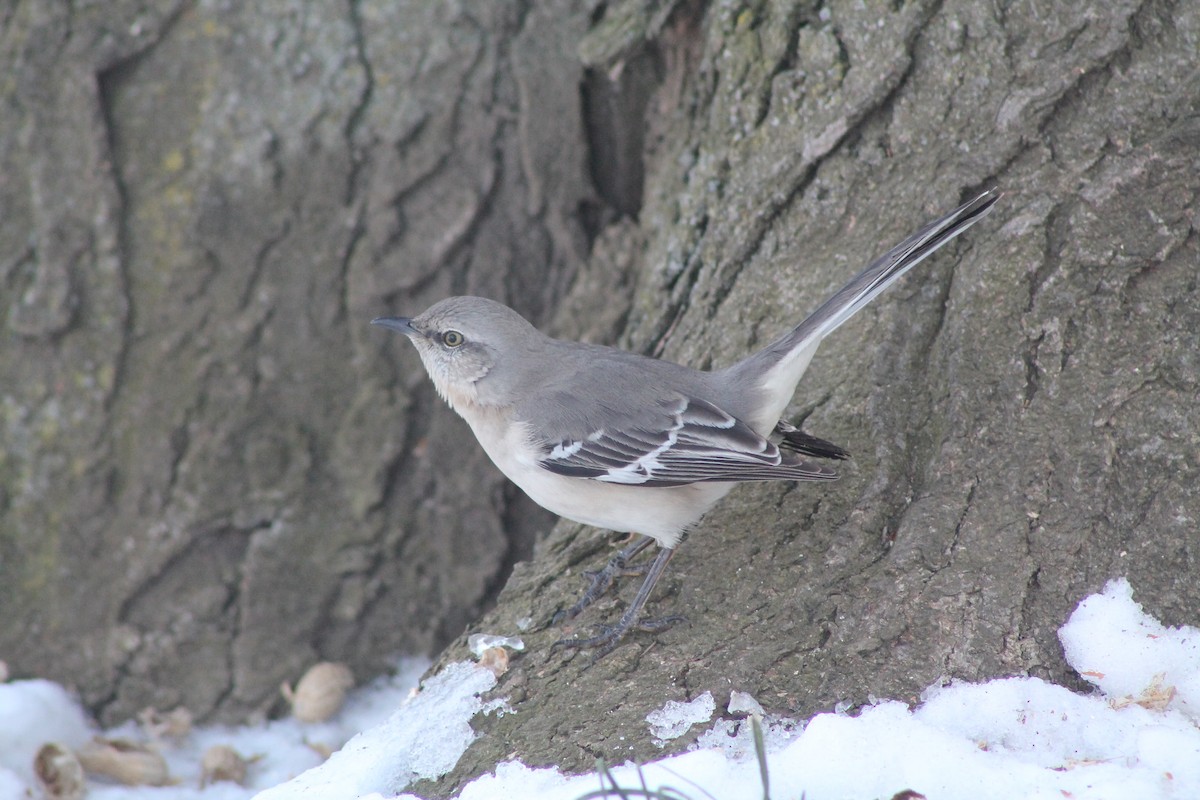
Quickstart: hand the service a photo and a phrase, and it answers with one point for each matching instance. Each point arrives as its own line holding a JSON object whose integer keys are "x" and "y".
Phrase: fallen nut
{"x": 124, "y": 761}
{"x": 320, "y": 693}
{"x": 59, "y": 772}
{"x": 222, "y": 763}
{"x": 495, "y": 659}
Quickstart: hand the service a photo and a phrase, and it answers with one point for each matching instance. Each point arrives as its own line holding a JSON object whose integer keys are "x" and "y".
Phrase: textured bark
{"x": 1022, "y": 408}
{"x": 213, "y": 471}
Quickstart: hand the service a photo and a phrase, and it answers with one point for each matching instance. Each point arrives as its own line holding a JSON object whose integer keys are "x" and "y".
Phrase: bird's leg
{"x": 601, "y": 580}
{"x": 612, "y": 634}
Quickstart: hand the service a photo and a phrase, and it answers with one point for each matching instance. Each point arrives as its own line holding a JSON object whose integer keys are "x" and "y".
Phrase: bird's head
{"x": 462, "y": 341}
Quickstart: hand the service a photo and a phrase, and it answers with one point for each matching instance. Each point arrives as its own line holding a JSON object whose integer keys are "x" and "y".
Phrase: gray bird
{"x": 635, "y": 444}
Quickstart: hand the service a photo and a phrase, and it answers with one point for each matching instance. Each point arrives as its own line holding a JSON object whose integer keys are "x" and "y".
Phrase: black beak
{"x": 402, "y": 324}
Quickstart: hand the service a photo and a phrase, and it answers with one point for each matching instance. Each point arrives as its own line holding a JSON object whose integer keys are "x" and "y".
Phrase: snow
{"x": 1115, "y": 646}
{"x": 1136, "y": 736}
{"x": 31, "y": 713}
{"x": 390, "y": 756}
{"x": 675, "y": 719}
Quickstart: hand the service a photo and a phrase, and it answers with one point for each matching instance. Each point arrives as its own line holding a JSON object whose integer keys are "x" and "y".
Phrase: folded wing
{"x": 688, "y": 440}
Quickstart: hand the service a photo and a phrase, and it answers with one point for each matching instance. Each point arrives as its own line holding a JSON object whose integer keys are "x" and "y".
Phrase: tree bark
{"x": 1021, "y": 408}
{"x": 214, "y": 472}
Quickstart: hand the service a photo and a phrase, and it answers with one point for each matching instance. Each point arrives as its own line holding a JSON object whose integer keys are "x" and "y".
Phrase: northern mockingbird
{"x": 635, "y": 444}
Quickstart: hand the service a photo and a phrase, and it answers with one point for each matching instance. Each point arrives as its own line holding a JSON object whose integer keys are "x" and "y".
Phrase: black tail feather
{"x": 800, "y": 442}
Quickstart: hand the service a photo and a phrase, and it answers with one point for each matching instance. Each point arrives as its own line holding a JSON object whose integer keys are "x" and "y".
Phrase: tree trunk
{"x": 214, "y": 472}
{"x": 1021, "y": 408}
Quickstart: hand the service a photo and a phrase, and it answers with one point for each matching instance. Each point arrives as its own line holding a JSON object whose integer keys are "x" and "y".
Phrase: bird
{"x": 635, "y": 444}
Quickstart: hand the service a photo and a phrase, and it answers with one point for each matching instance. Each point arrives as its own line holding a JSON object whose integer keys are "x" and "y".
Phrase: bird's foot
{"x": 610, "y": 635}
{"x": 600, "y": 581}
{"x": 604, "y": 642}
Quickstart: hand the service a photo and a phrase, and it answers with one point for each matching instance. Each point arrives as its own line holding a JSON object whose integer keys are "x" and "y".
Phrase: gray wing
{"x": 680, "y": 440}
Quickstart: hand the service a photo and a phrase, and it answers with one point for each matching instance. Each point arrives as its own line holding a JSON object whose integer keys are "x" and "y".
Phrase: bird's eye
{"x": 452, "y": 338}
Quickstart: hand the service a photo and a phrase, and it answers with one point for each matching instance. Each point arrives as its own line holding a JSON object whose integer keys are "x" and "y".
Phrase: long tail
{"x": 780, "y": 365}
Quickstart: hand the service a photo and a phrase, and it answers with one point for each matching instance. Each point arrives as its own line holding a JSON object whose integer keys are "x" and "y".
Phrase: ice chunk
{"x": 675, "y": 718}
{"x": 479, "y": 642}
